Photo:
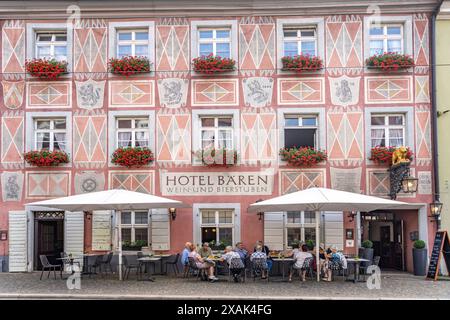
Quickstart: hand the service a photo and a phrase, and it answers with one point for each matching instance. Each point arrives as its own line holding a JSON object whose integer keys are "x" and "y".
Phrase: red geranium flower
{"x": 46, "y": 69}
{"x": 300, "y": 63}
{"x": 212, "y": 64}
{"x": 303, "y": 156}
{"x": 46, "y": 158}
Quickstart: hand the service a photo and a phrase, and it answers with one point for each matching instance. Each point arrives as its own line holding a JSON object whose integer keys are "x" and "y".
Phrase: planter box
{"x": 420, "y": 258}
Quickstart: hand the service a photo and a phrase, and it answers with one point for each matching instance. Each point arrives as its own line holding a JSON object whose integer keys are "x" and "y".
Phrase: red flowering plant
{"x": 46, "y": 158}
{"x": 390, "y": 61}
{"x": 213, "y": 64}
{"x": 303, "y": 156}
{"x": 132, "y": 156}
{"x": 129, "y": 65}
{"x": 218, "y": 157}
{"x": 383, "y": 155}
{"x": 46, "y": 69}
{"x": 302, "y": 62}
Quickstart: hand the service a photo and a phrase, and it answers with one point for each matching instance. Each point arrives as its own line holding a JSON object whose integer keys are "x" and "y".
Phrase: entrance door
{"x": 399, "y": 254}
{"x": 50, "y": 240}
{"x": 386, "y": 245}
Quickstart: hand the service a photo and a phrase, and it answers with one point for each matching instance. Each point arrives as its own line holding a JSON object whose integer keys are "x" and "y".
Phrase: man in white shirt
{"x": 234, "y": 262}
{"x": 299, "y": 258}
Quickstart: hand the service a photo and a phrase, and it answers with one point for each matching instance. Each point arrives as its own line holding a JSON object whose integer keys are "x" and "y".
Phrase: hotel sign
{"x": 216, "y": 183}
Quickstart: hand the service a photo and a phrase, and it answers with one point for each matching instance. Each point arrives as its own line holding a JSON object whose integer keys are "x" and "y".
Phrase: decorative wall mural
{"x": 421, "y": 40}
{"x": 389, "y": 89}
{"x": 301, "y": 91}
{"x": 131, "y": 93}
{"x": 215, "y": 92}
{"x": 13, "y": 47}
{"x": 140, "y": 181}
{"x": 49, "y": 94}
{"x": 346, "y": 179}
{"x": 89, "y": 181}
{"x": 12, "y": 186}
{"x": 13, "y": 92}
{"x": 257, "y": 46}
{"x": 423, "y": 135}
{"x": 174, "y": 137}
{"x": 344, "y": 90}
{"x": 173, "y": 92}
{"x": 12, "y": 143}
{"x": 257, "y": 91}
{"x": 422, "y": 89}
{"x": 172, "y": 48}
{"x": 296, "y": 180}
{"x": 90, "y": 94}
{"x": 378, "y": 183}
{"x": 45, "y": 184}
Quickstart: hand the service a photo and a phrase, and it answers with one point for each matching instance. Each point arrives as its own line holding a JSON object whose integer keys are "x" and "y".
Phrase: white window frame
{"x": 52, "y": 43}
{"x": 300, "y": 117}
{"x": 133, "y": 42}
{"x": 214, "y": 40}
{"x": 217, "y": 129}
{"x": 133, "y": 226}
{"x": 301, "y": 225}
{"x": 51, "y": 131}
{"x": 386, "y": 127}
{"x": 133, "y": 129}
{"x": 217, "y": 223}
{"x": 385, "y": 37}
{"x": 299, "y": 38}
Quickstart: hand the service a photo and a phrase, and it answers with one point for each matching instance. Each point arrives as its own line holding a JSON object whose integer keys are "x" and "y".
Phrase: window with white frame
{"x": 134, "y": 227}
{"x": 132, "y": 43}
{"x": 50, "y": 134}
{"x": 51, "y": 45}
{"x": 215, "y": 41}
{"x": 300, "y": 227}
{"x": 217, "y": 226}
{"x": 297, "y": 41}
{"x": 216, "y": 132}
{"x": 386, "y": 38}
{"x": 387, "y": 130}
{"x": 300, "y": 131}
{"x": 132, "y": 132}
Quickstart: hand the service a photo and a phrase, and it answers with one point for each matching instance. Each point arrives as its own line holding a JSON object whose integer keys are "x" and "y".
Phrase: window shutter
{"x": 160, "y": 229}
{"x": 274, "y": 230}
{"x": 74, "y": 233}
{"x": 101, "y": 230}
{"x": 333, "y": 226}
{"x": 18, "y": 260}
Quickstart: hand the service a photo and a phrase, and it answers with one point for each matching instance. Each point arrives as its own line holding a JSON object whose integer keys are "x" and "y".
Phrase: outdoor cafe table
{"x": 85, "y": 257}
{"x": 283, "y": 262}
{"x": 146, "y": 261}
{"x": 357, "y": 263}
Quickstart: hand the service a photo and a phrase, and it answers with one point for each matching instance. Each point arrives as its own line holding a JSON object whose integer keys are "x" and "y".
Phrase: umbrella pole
{"x": 118, "y": 218}
{"x": 317, "y": 245}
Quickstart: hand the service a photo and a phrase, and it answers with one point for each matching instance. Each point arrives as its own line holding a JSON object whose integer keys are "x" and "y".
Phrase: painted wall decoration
{"x": 346, "y": 179}
{"x": 89, "y": 181}
{"x": 13, "y": 92}
{"x": 47, "y": 184}
{"x": 89, "y": 140}
{"x": 258, "y": 135}
{"x": 13, "y": 47}
{"x": 425, "y": 185}
{"x": 421, "y": 40}
{"x": 224, "y": 92}
{"x": 90, "y": 94}
{"x": 140, "y": 181}
{"x": 172, "y": 48}
{"x": 422, "y": 89}
{"x": 12, "y": 143}
{"x": 378, "y": 183}
{"x": 257, "y": 45}
{"x": 296, "y": 180}
{"x": 90, "y": 46}
{"x": 389, "y": 89}
{"x": 423, "y": 135}
{"x": 173, "y": 137}
{"x": 131, "y": 93}
{"x": 301, "y": 91}
{"x": 12, "y": 185}
{"x": 257, "y": 91}
{"x": 344, "y": 90}
{"x": 344, "y": 42}
{"x": 173, "y": 92}
{"x": 49, "y": 94}
{"x": 345, "y": 135}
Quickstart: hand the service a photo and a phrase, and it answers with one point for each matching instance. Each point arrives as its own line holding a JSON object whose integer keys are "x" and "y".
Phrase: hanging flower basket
{"x": 46, "y": 69}
{"x": 132, "y": 156}
{"x": 383, "y": 155}
{"x": 301, "y": 63}
{"x": 213, "y": 64}
{"x": 46, "y": 158}
{"x": 303, "y": 156}
{"x": 390, "y": 61}
{"x": 129, "y": 65}
{"x": 218, "y": 157}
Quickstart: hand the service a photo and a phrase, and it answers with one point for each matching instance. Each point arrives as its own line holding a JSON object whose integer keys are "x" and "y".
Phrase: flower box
{"x": 46, "y": 158}
{"x": 46, "y": 69}
{"x": 383, "y": 155}
{"x": 390, "y": 61}
{"x": 213, "y": 64}
{"x": 301, "y": 63}
{"x": 129, "y": 65}
{"x": 132, "y": 156}
{"x": 303, "y": 156}
{"x": 218, "y": 157}
{"x": 133, "y": 246}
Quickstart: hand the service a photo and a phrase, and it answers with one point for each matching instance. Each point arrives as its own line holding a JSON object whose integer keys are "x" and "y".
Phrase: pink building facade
{"x": 254, "y": 109}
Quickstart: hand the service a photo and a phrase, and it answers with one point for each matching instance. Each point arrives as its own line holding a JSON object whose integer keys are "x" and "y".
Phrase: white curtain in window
{"x": 60, "y": 141}
{"x": 396, "y": 137}
{"x": 124, "y": 139}
{"x": 378, "y": 137}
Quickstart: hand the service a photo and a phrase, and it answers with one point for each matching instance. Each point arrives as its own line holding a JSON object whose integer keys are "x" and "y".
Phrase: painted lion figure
{"x": 400, "y": 155}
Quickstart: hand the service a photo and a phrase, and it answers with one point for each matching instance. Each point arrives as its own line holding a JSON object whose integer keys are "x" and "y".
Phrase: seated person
{"x": 205, "y": 251}
{"x": 202, "y": 264}
{"x": 266, "y": 250}
{"x": 300, "y": 257}
{"x": 184, "y": 257}
{"x": 234, "y": 262}
{"x": 334, "y": 262}
{"x": 259, "y": 254}
{"x": 241, "y": 251}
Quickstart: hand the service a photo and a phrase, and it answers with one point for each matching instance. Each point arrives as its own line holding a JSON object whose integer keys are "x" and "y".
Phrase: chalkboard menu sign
{"x": 441, "y": 247}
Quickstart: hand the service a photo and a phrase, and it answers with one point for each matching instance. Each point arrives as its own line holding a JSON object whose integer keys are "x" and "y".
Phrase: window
{"x": 300, "y": 226}
{"x": 386, "y": 38}
{"x": 134, "y": 226}
{"x": 298, "y": 41}
{"x": 217, "y": 226}
{"x": 216, "y": 132}
{"x": 50, "y": 134}
{"x": 132, "y": 132}
{"x": 387, "y": 130}
{"x": 132, "y": 43}
{"x": 214, "y": 41}
{"x": 51, "y": 45}
{"x": 300, "y": 131}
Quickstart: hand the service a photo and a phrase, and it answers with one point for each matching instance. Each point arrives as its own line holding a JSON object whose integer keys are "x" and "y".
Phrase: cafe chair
{"x": 107, "y": 262}
{"x": 130, "y": 266}
{"x": 193, "y": 269}
{"x": 173, "y": 262}
{"x": 97, "y": 265}
{"x": 47, "y": 266}
{"x": 236, "y": 263}
{"x": 67, "y": 264}
{"x": 258, "y": 266}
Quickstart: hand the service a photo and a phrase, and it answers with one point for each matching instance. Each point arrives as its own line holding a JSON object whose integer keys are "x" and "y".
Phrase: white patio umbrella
{"x": 116, "y": 199}
{"x": 323, "y": 199}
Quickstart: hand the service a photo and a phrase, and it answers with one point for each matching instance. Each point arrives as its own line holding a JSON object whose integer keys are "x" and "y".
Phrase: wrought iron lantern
{"x": 410, "y": 184}
{"x": 435, "y": 209}
{"x": 173, "y": 213}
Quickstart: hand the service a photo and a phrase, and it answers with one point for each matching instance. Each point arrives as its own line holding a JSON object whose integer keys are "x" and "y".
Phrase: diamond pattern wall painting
{"x": 421, "y": 40}
{"x": 215, "y": 92}
{"x": 49, "y": 94}
{"x": 389, "y": 89}
{"x": 140, "y": 181}
{"x": 422, "y": 89}
{"x": 296, "y": 180}
{"x": 13, "y": 92}
{"x": 44, "y": 184}
{"x": 301, "y": 91}
{"x": 174, "y": 137}
{"x": 131, "y": 93}
{"x": 423, "y": 136}
{"x": 378, "y": 183}
{"x": 12, "y": 145}
{"x": 172, "y": 48}
{"x": 13, "y": 47}
{"x": 256, "y": 46}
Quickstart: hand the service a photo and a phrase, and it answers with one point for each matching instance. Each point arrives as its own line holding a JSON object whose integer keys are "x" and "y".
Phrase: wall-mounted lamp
{"x": 352, "y": 216}
{"x": 173, "y": 213}
{"x": 410, "y": 184}
{"x": 260, "y": 214}
{"x": 435, "y": 209}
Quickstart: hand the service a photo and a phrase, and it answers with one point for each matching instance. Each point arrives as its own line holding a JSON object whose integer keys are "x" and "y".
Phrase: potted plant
{"x": 390, "y": 61}
{"x": 48, "y": 69}
{"x": 219, "y": 245}
{"x": 420, "y": 256}
{"x": 303, "y": 156}
{"x": 132, "y": 156}
{"x": 310, "y": 244}
{"x": 133, "y": 246}
{"x": 383, "y": 155}
{"x": 129, "y": 65}
{"x": 367, "y": 251}
{"x": 218, "y": 157}
{"x": 301, "y": 63}
{"x": 213, "y": 64}
{"x": 46, "y": 158}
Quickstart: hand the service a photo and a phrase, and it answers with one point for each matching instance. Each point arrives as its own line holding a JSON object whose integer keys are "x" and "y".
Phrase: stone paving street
{"x": 393, "y": 286}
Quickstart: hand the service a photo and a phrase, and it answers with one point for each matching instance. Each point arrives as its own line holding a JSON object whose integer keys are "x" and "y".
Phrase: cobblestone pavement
{"x": 393, "y": 286}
